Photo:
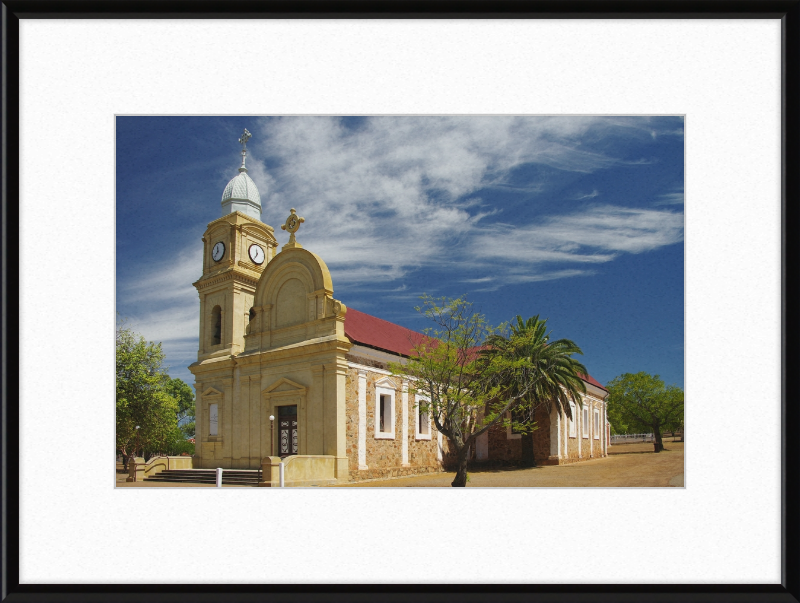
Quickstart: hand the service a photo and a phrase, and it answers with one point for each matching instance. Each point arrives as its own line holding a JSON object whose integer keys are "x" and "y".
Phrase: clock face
{"x": 256, "y": 254}
{"x": 218, "y": 251}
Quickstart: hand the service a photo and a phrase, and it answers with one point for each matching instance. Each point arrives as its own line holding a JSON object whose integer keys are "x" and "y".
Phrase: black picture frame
{"x": 788, "y": 11}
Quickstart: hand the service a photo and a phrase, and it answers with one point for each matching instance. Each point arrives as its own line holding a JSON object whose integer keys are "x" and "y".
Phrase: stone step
{"x": 201, "y": 478}
{"x": 207, "y": 476}
{"x": 199, "y": 472}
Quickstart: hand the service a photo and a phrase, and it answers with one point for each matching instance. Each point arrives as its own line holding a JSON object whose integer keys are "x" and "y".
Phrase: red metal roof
{"x": 593, "y": 381}
{"x": 384, "y": 335}
{"x": 377, "y": 333}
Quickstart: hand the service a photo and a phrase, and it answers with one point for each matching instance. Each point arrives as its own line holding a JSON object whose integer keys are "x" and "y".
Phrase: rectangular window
{"x": 213, "y": 419}
{"x": 511, "y": 433}
{"x": 423, "y": 427}
{"x": 585, "y": 422}
{"x": 596, "y": 424}
{"x": 384, "y": 413}
{"x": 572, "y": 420}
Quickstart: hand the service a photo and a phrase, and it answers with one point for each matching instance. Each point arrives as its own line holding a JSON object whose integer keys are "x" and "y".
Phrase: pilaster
{"x": 404, "y": 443}
{"x": 362, "y": 420}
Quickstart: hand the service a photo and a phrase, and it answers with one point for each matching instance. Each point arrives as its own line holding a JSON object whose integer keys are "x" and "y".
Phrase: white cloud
{"x": 614, "y": 229}
{"x": 178, "y": 322}
{"x": 166, "y": 282}
{"x": 162, "y": 305}
{"x": 516, "y": 278}
{"x": 591, "y": 195}
{"x": 396, "y": 193}
{"x": 670, "y": 199}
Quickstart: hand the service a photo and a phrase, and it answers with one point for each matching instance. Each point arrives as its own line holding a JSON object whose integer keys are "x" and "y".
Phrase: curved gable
{"x": 293, "y": 302}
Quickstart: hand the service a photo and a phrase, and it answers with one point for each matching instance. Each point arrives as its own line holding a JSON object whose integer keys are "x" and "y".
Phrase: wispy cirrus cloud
{"x": 670, "y": 199}
{"x": 386, "y": 198}
{"x": 591, "y": 195}
{"x": 165, "y": 282}
{"x": 394, "y": 194}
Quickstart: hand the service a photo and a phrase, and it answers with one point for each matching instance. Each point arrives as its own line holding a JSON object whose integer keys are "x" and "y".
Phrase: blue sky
{"x": 577, "y": 219}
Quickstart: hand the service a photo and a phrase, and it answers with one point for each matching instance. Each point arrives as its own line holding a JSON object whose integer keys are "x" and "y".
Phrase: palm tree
{"x": 543, "y": 371}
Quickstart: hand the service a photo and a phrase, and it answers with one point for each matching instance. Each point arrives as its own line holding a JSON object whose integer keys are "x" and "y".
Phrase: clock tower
{"x": 236, "y": 249}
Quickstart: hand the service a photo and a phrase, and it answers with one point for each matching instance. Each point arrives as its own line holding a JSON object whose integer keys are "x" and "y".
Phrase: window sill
{"x": 384, "y": 436}
{"x": 423, "y": 436}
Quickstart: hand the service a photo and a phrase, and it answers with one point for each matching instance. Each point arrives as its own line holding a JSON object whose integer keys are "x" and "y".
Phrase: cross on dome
{"x": 243, "y": 141}
{"x": 242, "y": 194}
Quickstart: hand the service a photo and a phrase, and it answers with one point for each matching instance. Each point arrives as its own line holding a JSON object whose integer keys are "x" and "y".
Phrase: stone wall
{"x": 541, "y": 437}
{"x": 503, "y": 447}
{"x": 384, "y": 457}
{"x": 507, "y": 448}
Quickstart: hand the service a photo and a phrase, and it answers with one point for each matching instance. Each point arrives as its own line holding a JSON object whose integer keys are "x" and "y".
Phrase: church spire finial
{"x": 243, "y": 141}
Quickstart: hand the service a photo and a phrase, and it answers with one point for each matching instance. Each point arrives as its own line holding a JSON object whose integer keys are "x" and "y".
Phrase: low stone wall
{"x": 301, "y": 470}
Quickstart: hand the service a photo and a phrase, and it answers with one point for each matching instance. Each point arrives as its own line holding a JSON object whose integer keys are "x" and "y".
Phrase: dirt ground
{"x": 627, "y": 466}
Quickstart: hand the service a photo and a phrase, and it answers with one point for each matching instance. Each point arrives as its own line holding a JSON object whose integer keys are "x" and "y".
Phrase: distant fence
{"x": 631, "y": 438}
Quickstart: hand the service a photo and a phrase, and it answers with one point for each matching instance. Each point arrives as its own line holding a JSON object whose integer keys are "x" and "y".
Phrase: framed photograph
{"x": 115, "y": 117}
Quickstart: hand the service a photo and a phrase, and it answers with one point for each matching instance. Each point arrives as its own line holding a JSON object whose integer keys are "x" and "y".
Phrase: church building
{"x": 286, "y": 370}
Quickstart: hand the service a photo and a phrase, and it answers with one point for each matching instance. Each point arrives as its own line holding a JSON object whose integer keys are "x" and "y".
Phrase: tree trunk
{"x": 527, "y": 450}
{"x": 659, "y": 444}
{"x": 461, "y": 473}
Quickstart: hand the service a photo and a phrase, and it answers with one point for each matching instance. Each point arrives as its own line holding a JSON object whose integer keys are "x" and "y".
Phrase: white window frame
{"x": 417, "y": 434}
{"x": 585, "y": 421}
{"x": 572, "y": 430}
{"x": 597, "y": 424}
{"x": 391, "y": 394}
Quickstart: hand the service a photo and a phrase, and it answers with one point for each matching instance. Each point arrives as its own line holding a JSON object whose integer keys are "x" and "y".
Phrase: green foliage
{"x": 445, "y": 367}
{"x": 534, "y": 369}
{"x": 175, "y": 445}
{"x": 146, "y": 412}
{"x": 642, "y": 402}
{"x": 184, "y": 395}
{"x": 475, "y": 376}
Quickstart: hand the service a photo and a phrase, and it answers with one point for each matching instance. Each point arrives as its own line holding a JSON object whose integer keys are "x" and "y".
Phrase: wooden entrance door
{"x": 287, "y": 430}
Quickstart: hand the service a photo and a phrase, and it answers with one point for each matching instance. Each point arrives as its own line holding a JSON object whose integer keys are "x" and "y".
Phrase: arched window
{"x": 216, "y": 325}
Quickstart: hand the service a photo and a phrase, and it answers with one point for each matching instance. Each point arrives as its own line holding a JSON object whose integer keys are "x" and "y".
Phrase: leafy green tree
{"x": 475, "y": 376}
{"x": 146, "y": 412}
{"x": 619, "y": 425}
{"x": 184, "y": 395}
{"x": 643, "y": 401}
{"x": 175, "y": 445}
